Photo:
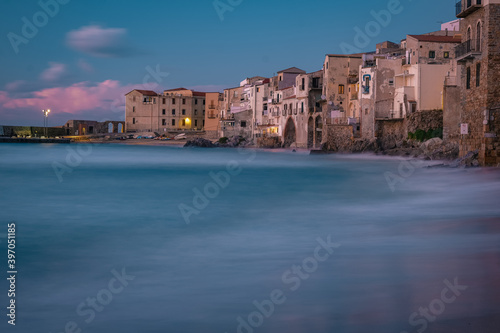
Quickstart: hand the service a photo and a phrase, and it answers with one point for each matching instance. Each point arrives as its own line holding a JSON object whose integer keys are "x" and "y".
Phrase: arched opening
{"x": 290, "y": 136}
{"x": 110, "y": 128}
{"x": 310, "y": 133}
{"x": 319, "y": 131}
{"x": 120, "y": 128}
{"x": 468, "y": 34}
{"x": 478, "y": 37}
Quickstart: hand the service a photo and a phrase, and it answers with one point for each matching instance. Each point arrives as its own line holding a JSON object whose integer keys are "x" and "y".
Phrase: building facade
{"x": 479, "y": 56}
{"x": 173, "y": 111}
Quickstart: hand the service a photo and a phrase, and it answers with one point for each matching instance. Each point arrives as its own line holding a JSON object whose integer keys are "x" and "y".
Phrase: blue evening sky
{"x": 101, "y": 48}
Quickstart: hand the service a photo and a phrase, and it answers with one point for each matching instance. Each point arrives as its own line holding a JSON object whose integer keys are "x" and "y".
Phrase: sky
{"x": 80, "y": 57}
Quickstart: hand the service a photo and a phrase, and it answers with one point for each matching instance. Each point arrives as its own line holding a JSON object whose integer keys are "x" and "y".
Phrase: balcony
{"x": 466, "y": 7}
{"x": 468, "y": 50}
{"x": 212, "y": 107}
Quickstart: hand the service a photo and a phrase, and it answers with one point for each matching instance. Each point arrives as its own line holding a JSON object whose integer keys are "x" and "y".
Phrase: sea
{"x": 147, "y": 239}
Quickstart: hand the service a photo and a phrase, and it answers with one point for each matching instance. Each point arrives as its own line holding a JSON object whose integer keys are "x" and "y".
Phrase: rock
{"x": 469, "y": 160}
{"x": 431, "y": 144}
{"x": 235, "y": 141}
{"x": 200, "y": 142}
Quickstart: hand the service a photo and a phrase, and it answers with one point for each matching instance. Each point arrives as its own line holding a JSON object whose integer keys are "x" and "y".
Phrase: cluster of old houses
{"x": 455, "y": 70}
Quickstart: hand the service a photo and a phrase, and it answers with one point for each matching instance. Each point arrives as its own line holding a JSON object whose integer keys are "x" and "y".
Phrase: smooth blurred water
{"x": 119, "y": 208}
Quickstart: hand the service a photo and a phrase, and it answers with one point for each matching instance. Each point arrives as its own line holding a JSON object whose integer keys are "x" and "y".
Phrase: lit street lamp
{"x": 46, "y": 121}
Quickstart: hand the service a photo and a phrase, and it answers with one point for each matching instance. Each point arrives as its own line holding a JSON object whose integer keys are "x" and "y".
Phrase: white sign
{"x": 464, "y": 129}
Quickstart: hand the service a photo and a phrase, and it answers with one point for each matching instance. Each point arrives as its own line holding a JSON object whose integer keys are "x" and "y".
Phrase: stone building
{"x": 91, "y": 127}
{"x": 339, "y": 101}
{"x": 173, "y": 111}
{"x": 479, "y": 55}
{"x": 213, "y": 111}
{"x": 232, "y": 100}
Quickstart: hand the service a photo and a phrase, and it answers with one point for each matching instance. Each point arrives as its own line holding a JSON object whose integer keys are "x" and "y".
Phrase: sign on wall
{"x": 464, "y": 129}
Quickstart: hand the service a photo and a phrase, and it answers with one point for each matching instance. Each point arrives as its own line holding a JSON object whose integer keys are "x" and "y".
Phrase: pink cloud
{"x": 55, "y": 72}
{"x": 83, "y": 96}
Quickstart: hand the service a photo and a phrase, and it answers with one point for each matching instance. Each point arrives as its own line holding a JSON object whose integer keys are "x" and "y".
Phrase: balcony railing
{"x": 212, "y": 115}
{"x": 467, "y": 50}
{"x": 466, "y": 7}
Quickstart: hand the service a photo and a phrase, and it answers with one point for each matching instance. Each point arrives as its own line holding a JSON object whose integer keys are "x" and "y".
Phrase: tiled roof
{"x": 294, "y": 70}
{"x": 436, "y": 39}
{"x": 144, "y": 92}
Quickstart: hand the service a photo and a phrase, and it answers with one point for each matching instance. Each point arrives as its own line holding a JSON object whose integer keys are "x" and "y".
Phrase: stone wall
{"x": 451, "y": 114}
{"x": 10, "y": 131}
{"x": 339, "y": 138}
{"x": 390, "y": 132}
{"x": 425, "y": 120}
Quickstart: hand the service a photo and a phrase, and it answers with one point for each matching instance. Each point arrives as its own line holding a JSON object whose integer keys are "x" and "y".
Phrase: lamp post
{"x": 45, "y": 121}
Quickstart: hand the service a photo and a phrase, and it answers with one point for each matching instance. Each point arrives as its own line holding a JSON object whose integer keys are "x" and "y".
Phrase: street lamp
{"x": 46, "y": 121}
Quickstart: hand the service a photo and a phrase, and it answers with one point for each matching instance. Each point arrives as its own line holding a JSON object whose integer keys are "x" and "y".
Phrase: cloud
{"x": 99, "y": 101}
{"x": 101, "y": 42}
{"x": 55, "y": 72}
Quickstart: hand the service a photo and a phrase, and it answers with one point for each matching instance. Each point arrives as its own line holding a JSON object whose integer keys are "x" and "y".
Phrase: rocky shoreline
{"x": 434, "y": 149}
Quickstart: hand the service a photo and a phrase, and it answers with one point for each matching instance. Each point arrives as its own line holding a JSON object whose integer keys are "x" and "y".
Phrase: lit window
{"x": 341, "y": 89}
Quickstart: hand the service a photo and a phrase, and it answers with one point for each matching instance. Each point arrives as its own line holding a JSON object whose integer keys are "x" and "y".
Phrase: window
{"x": 203, "y": 112}
{"x": 341, "y": 89}
{"x": 468, "y": 78}
{"x": 173, "y": 112}
{"x": 243, "y": 123}
{"x": 163, "y": 112}
{"x": 183, "y": 112}
{"x": 133, "y": 120}
{"x": 154, "y": 100}
{"x": 258, "y": 89}
{"x": 478, "y": 38}
{"x": 164, "y": 122}
{"x": 164, "y": 101}
{"x": 183, "y": 122}
{"x": 173, "y": 101}
{"x": 391, "y": 82}
{"x": 203, "y": 122}
{"x": 327, "y": 65}
{"x": 204, "y": 102}
{"x": 133, "y": 109}
{"x": 432, "y": 54}
{"x": 302, "y": 108}
{"x": 133, "y": 99}
{"x": 196, "y": 101}
{"x": 446, "y": 54}
{"x": 173, "y": 122}
{"x": 196, "y": 122}
{"x": 183, "y": 101}
{"x": 195, "y": 112}
{"x": 478, "y": 74}
{"x": 303, "y": 86}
